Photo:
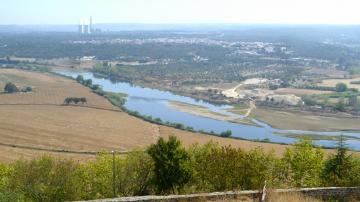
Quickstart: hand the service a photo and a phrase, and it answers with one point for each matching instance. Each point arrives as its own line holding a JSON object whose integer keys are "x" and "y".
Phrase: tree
{"x": 28, "y": 89}
{"x": 341, "y": 169}
{"x": 340, "y": 87}
{"x": 80, "y": 79}
{"x": 304, "y": 163}
{"x": 226, "y": 133}
{"x": 11, "y": 88}
{"x": 171, "y": 165}
{"x": 87, "y": 82}
{"x": 308, "y": 100}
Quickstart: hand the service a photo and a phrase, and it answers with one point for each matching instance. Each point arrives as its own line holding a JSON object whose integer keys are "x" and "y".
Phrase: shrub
{"x": 87, "y": 82}
{"x": 226, "y": 133}
{"x": 308, "y": 100}
{"x": 340, "y": 87}
{"x": 28, "y": 89}
{"x": 135, "y": 174}
{"x": 303, "y": 163}
{"x": 340, "y": 105}
{"x": 46, "y": 179}
{"x": 225, "y": 168}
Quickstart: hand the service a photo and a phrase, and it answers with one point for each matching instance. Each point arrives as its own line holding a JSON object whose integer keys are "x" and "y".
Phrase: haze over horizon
{"x": 55, "y": 12}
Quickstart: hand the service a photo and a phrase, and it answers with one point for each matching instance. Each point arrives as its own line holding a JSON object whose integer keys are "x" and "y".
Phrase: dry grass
{"x": 47, "y": 89}
{"x": 53, "y": 126}
{"x": 287, "y": 197}
{"x": 333, "y": 82}
{"x": 297, "y": 91}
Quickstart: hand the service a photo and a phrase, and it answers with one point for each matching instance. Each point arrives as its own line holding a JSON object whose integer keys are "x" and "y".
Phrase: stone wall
{"x": 322, "y": 193}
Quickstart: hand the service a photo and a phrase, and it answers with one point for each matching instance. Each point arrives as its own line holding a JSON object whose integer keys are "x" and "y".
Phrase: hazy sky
{"x": 180, "y": 11}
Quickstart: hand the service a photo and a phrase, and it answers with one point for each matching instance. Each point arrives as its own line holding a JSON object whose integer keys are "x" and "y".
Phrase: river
{"x": 154, "y": 102}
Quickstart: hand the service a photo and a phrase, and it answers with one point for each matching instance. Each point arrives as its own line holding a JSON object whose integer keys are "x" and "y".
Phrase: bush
{"x": 46, "y": 179}
{"x": 226, "y": 133}
{"x": 135, "y": 174}
{"x": 340, "y": 87}
{"x": 340, "y": 105}
{"x": 87, "y": 82}
{"x": 225, "y": 168}
{"x": 303, "y": 163}
{"x": 11, "y": 88}
{"x": 26, "y": 89}
{"x": 308, "y": 100}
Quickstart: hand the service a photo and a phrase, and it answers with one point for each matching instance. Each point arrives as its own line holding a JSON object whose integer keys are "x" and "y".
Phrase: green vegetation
{"x": 354, "y": 69}
{"x": 11, "y": 88}
{"x": 341, "y": 87}
{"x": 74, "y": 100}
{"x": 27, "y": 89}
{"x": 317, "y": 137}
{"x": 226, "y": 133}
{"x": 166, "y": 167}
{"x": 315, "y": 87}
{"x": 354, "y": 82}
{"x": 340, "y": 168}
{"x": 26, "y": 66}
{"x": 305, "y": 163}
{"x": 171, "y": 165}
{"x": 340, "y": 105}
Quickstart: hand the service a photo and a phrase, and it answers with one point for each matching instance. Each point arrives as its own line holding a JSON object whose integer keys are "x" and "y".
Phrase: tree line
{"x": 75, "y": 100}
{"x": 166, "y": 167}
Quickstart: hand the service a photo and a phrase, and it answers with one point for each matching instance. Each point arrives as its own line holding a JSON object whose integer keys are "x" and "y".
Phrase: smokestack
{"x": 90, "y": 25}
{"x": 80, "y": 27}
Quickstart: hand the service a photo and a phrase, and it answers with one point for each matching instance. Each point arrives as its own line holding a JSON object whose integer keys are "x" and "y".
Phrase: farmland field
{"x": 39, "y": 120}
{"x": 333, "y": 82}
{"x": 304, "y": 121}
{"x": 298, "y": 91}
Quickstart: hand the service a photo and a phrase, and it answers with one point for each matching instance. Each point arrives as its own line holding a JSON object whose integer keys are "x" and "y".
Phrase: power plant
{"x": 85, "y": 26}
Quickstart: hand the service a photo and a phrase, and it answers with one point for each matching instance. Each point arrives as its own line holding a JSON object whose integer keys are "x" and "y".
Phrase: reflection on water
{"x": 153, "y": 102}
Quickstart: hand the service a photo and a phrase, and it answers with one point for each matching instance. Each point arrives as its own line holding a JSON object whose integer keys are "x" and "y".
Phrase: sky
{"x": 180, "y": 11}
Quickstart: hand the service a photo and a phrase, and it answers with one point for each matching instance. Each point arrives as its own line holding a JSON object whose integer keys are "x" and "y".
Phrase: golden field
{"x": 35, "y": 123}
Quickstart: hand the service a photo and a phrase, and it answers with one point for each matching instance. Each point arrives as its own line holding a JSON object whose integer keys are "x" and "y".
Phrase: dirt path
{"x": 231, "y": 93}
{"x": 252, "y": 106}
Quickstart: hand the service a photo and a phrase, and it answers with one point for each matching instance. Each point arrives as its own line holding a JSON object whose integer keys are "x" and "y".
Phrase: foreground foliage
{"x": 167, "y": 167}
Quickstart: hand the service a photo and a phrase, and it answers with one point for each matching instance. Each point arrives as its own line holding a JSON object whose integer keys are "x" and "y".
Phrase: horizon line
{"x": 183, "y": 23}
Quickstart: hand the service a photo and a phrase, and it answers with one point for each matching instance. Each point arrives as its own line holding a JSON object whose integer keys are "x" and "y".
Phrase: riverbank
{"x": 150, "y": 105}
{"x": 205, "y": 112}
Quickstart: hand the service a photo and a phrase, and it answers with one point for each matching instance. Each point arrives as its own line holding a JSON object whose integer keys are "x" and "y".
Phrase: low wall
{"x": 323, "y": 193}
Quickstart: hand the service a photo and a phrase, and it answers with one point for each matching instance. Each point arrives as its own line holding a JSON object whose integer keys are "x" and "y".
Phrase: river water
{"x": 153, "y": 102}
